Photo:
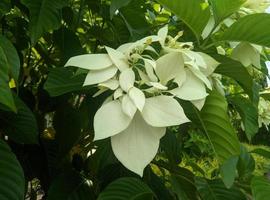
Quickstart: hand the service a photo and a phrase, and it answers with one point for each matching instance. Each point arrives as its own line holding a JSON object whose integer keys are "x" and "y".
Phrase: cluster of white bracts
{"x": 264, "y": 113}
{"x": 143, "y": 103}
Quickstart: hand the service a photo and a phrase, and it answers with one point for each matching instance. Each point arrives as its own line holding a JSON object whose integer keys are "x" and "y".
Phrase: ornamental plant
{"x": 118, "y": 100}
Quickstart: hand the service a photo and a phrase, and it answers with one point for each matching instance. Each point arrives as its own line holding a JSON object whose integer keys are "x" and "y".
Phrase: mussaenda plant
{"x": 145, "y": 84}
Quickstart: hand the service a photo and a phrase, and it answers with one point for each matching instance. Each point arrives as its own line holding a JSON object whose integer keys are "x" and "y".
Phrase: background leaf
{"x": 194, "y": 13}
{"x": 70, "y": 185}
{"x": 239, "y": 73}
{"x": 126, "y": 188}
{"x": 216, "y": 190}
{"x": 251, "y": 28}
{"x": 224, "y": 8}
{"x": 44, "y": 16}
{"x": 248, "y": 113}
{"x": 61, "y": 81}
{"x": 21, "y": 127}
{"x": 218, "y": 128}
{"x": 11, "y": 175}
{"x": 260, "y": 187}
{"x": 116, "y": 4}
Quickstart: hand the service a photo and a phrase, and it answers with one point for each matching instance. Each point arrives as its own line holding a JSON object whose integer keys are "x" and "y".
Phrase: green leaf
{"x": 251, "y": 28}
{"x": 12, "y": 58}
{"x": 183, "y": 184}
{"x": 172, "y": 147}
{"x": 9, "y": 67}
{"x": 70, "y": 185}
{"x": 67, "y": 124}
{"x": 216, "y": 190}
{"x": 117, "y": 4}
{"x": 194, "y": 13}
{"x": 217, "y": 126}
{"x": 45, "y": 15}
{"x": 224, "y": 8}
{"x": 61, "y": 81}
{"x": 21, "y": 126}
{"x": 68, "y": 43}
{"x": 261, "y": 152}
{"x": 239, "y": 73}
{"x": 126, "y": 188}
{"x": 134, "y": 17}
{"x": 11, "y": 175}
{"x": 260, "y": 187}
{"x": 246, "y": 164}
{"x": 4, "y": 7}
{"x": 228, "y": 171}
{"x": 248, "y": 113}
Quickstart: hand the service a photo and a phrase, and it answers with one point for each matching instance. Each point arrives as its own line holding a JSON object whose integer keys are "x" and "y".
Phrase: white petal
{"x": 169, "y": 66}
{"x": 180, "y": 78}
{"x": 111, "y": 84}
{"x": 137, "y": 146}
{"x": 202, "y": 77}
{"x": 211, "y": 64}
{"x": 162, "y": 34}
{"x": 192, "y": 89}
{"x": 90, "y": 61}
{"x": 163, "y": 111}
{"x": 118, "y": 58}
{"x": 144, "y": 77}
{"x": 158, "y": 86}
{"x": 199, "y": 103}
{"x": 150, "y": 71}
{"x": 128, "y": 106}
{"x": 127, "y": 79}
{"x": 99, "y": 92}
{"x": 247, "y": 55}
{"x": 110, "y": 120}
{"x": 151, "y": 62}
{"x": 138, "y": 97}
{"x": 99, "y": 76}
{"x": 118, "y": 93}
{"x": 124, "y": 47}
{"x": 195, "y": 56}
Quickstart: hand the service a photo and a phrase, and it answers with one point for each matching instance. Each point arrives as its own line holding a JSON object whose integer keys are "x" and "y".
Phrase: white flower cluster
{"x": 264, "y": 113}
{"x": 145, "y": 83}
{"x": 255, "y": 6}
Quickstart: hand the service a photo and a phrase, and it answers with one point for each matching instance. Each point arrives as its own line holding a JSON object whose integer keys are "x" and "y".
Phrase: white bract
{"x": 144, "y": 90}
{"x": 264, "y": 113}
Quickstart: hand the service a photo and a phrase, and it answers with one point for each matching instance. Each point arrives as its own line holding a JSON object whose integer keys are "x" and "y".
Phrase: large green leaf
{"x": 9, "y": 66}
{"x": 224, "y": 8}
{"x": 67, "y": 124}
{"x": 261, "y": 152}
{"x": 116, "y": 4}
{"x": 217, "y": 126}
{"x": 11, "y": 175}
{"x": 228, "y": 171}
{"x": 68, "y": 43}
{"x": 194, "y": 13}
{"x": 21, "y": 126}
{"x": 126, "y": 188}
{"x": 12, "y": 58}
{"x": 45, "y": 15}
{"x": 260, "y": 187}
{"x": 216, "y": 190}
{"x": 4, "y": 7}
{"x": 70, "y": 185}
{"x": 248, "y": 113}
{"x": 61, "y": 81}
{"x": 251, "y": 28}
{"x": 246, "y": 164}
{"x": 239, "y": 73}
